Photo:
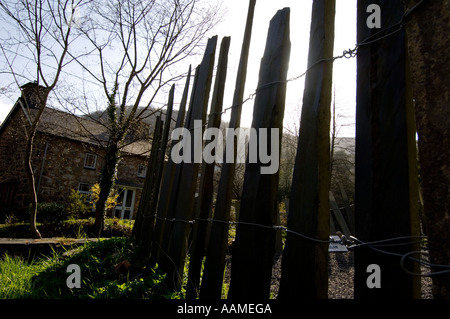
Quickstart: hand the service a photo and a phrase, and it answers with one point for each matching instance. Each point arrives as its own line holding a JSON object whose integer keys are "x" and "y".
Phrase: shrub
{"x": 111, "y": 202}
{"x": 52, "y": 213}
{"x": 77, "y": 206}
{"x": 11, "y": 219}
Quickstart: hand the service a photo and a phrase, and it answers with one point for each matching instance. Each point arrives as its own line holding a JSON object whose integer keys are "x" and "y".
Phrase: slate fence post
{"x": 206, "y": 186}
{"x": 386, "y": 192}
{"x": 305, "y": 261}
{"x": 212, "y": 279}
{"x": 253, "y": 252}
{"x": 184, "y": 205}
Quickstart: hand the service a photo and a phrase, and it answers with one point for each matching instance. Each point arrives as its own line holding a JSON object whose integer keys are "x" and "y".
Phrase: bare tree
{"x": 35, "y": 50}
{"x": 342, "y": 156}
{"x": 134, "y": 45}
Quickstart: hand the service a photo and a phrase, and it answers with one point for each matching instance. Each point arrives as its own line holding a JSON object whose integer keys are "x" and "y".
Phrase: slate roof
{"x": 85, "y": 130}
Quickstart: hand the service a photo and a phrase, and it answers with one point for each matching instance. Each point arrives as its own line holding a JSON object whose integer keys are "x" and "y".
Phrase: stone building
{"x": 67, "y": 154}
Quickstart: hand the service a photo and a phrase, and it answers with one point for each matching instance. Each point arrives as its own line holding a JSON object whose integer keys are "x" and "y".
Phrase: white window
{"x": 125, "y": 206}
{"x": 142, "y": 170}
{"x": 84, "y": 188}
{"x": 90, "y": 160}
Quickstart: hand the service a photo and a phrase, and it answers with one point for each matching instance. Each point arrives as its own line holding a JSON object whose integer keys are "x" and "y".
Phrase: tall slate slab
{"x": 206, "y": 185}
{"x": 253, "y": 252}
{"x": 305, "y": 261}
{"x": 213, "y": 273}
{"x": 168, "y": 181}
{"x": 427, "y": 29}
{"x": 184, "y": 205}
{"x": 385, "y": 168}
{"x": 148, "y": 224}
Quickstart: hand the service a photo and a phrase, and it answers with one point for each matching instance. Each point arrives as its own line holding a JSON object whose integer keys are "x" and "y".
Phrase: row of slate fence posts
{"x": 176, "y": 218}
{"x": 206, "y": 185}
{"x": 212, "y": 280}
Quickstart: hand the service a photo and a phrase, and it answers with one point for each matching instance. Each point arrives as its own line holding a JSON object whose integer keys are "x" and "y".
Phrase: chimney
{"x": 32, "y": 94}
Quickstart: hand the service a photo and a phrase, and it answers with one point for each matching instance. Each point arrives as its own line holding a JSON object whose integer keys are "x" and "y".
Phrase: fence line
{"x": 349, "y": 243}
{"x": 348, "y": 54}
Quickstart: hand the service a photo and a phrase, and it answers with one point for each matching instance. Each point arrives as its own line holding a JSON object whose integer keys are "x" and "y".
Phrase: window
{"x": 90, "y": 160}
{"x": 125, "y": 206}
{"x": 142, "y": 170}
{"x": 85, "y": 189}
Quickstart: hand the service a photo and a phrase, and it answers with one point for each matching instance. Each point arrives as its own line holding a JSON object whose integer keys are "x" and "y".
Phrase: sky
{"x": 233, "y": 24}
{"x": 344, "y": 70}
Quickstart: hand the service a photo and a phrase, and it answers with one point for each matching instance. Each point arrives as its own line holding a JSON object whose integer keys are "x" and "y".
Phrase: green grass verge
{"x": 72, "y": 228}
{"x": 46, "y": 277}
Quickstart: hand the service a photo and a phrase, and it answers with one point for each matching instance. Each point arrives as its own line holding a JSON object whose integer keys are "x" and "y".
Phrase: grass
{"x": 46, "y": 277}
{"x": 16, "y": 276}
{"x": 72, "y": 228}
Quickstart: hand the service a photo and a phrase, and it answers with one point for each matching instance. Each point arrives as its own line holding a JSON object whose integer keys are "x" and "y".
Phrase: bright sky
{"x": 344, "y": 69}
{"x": 233, "y": 25}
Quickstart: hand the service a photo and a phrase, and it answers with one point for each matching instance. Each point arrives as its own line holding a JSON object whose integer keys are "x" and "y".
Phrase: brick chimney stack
{"x": 32, "y": 94}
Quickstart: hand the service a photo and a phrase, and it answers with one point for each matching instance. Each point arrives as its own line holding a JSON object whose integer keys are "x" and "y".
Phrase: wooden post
{"x": 339, "y": 217}
{"x": 164, "y": 260}
{"x": 429, "y": 49}
{"x": 148, "y": 184}
{"x": 150, "y": 211}
{"x": 215, "y": 256}
{"x": 167, "y": 182}
{"x": 385, "y": 160}
{"x": 189, "y": 175}
{"x": 206, "y": 187}
{"x": 305, "y": 262}
{"x": 251, "y": 268}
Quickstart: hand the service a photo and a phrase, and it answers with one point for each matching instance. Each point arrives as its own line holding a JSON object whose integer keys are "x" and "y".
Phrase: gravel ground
{"x": 341, "y": 272}
{"x": 340, "y": 280}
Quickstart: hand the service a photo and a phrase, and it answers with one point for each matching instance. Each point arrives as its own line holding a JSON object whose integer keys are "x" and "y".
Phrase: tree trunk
{"x": 31, "y": 182}
{"x": 38, "y": 98}
{"x": 107, "y": 179}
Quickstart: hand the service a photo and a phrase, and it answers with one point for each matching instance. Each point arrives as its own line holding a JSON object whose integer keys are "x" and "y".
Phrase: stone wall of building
{"x": 13, "y": 177}
{"x": 59, "y": 166}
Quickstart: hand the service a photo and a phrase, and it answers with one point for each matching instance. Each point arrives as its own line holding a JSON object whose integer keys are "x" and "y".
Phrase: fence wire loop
{"x": 350, "y": 53}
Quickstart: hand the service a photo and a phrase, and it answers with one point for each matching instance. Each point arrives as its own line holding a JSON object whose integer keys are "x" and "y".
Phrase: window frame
{"x": 84, "y": 192}
{"x": 143, "y": 172}
{"x": 94, "y": 165}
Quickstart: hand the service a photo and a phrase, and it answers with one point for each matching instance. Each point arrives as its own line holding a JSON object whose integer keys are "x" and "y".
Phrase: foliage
{"x": 76, "y": 205}
{"x": 73, "y": 228}
{"x": 111, "y": 202}
{"x": 11, "y": 219}
{"x": 46, "y": 278}
{"x": 51, "y": 213}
